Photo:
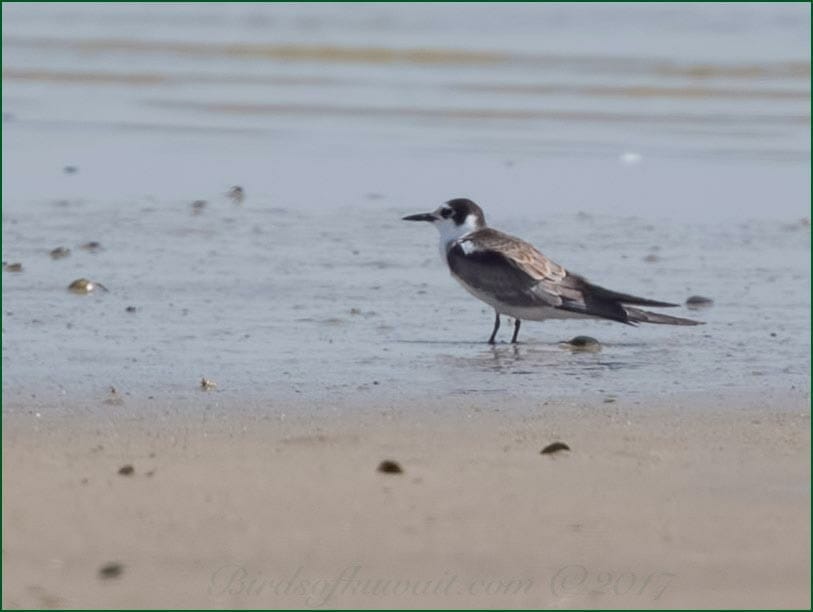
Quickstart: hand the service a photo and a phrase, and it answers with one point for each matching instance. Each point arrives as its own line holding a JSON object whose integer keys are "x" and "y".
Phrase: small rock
{"x": 698, "y": 301}
{"x": 91, "y": 246}
{"x": 126, "y": 470}
{"x": 236, "y": 194}
{"x": 82, "y": 286}
{"x": 206, "y": 384}
{"x": 390, "y": 467}
{"x": 113, "y": 569}
{"x": 13, "y": 267}
{"x": 70, "y": 169}
{"x": 651, "y": 258}
{"x": 583, "y": 343}
{"x": 554, "y": 448}
{"x": 130, "y": 309}
{"x": 60, "y": 253}
{"x": 198, "y": 206}
{"x": 113, "y": 399}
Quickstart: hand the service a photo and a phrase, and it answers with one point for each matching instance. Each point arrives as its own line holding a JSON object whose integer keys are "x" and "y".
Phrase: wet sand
{"x": 699, "y": 500}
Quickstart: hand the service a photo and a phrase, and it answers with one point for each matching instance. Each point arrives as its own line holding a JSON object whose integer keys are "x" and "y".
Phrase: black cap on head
{"x": 462, "y": 208}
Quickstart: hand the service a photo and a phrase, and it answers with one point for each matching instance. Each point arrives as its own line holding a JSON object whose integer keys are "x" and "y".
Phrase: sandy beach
{"x": 672, "y": 502}
{"x": 658, "y": 149}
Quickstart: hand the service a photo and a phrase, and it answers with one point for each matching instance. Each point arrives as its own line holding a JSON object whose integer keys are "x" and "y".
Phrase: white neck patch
{"x": 451, "y": 232}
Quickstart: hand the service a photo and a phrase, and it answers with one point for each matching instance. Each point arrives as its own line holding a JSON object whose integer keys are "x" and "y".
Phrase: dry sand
{"x": 689, "y": 501}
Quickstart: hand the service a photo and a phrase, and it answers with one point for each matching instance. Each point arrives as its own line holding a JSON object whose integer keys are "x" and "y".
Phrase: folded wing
{"x": 516, "y": 274}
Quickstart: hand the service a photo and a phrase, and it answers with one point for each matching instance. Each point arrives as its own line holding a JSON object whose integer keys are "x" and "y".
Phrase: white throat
{"x": 451, "y": 232}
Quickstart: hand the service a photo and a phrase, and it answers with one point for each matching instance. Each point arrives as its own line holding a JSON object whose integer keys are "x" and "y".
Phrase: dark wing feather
{"x": 580, "y": 296}
{"x": 519, "y": 275}
{"x": 626, "y": 298}
{"x": 492, "y": 272}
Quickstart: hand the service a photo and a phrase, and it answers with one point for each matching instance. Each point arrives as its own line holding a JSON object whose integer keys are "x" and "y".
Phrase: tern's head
{"x": 454, "y": 219}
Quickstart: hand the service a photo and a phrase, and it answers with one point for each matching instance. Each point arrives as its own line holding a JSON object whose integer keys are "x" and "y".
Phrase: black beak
{"x": 421, "y": 217}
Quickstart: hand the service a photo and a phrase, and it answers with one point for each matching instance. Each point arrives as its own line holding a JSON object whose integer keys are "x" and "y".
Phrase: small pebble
{"x": 130, "y": 309}
{"x": 198, "y": 206}
{"x": 91, "y": 246}
{"x": 13, "y": 267}
{"x": 126, "y": 470}
{"x": 113, "y": 399}
{"x": 237, "y": 194}
{"x": 60, "y": 253}
{"x": 390, "y": 467}
{"x": 82, "y": 286}
{"x": 554, "y": 448}
{"x": 651, "y": 258}
{"x": 113, "y": 569}
{"x": 70, "y": 169}
{"x": 584, "y": 343}
{"x": 698, "y": 301}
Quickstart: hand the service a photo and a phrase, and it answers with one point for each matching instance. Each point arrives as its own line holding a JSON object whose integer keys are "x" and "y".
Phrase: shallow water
{"x": 603, "y": 137}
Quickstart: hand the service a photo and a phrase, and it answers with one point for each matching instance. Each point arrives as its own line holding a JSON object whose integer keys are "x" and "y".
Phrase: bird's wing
{"x": 508, "y": 268}
{"x": 521, "y": 254}
{"x": 519, "y": 275}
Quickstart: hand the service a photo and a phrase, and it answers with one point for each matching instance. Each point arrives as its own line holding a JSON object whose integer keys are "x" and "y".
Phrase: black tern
{"x": 515, "y": 279}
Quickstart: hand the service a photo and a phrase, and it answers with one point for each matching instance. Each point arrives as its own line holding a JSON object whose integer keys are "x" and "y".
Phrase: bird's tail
{"x": 625, "y": 298}
{"x": 636, "y": 315}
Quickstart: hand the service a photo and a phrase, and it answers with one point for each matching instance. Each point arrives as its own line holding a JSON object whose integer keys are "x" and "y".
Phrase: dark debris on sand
{"x": 111, "y": 569}
{"x": 390, "y": 467}
{"x": 583, "y": 343}
{"x": 698, "y": 301}
{"x": 555, "y": 447}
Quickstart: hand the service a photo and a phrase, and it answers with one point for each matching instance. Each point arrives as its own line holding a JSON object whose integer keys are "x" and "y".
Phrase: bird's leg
{"x": 496, "y": 327}
{"x": 516, "y": 331}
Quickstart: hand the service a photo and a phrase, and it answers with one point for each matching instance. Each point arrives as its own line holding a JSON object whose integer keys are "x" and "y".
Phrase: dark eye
{"x": 446, "y": 213}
